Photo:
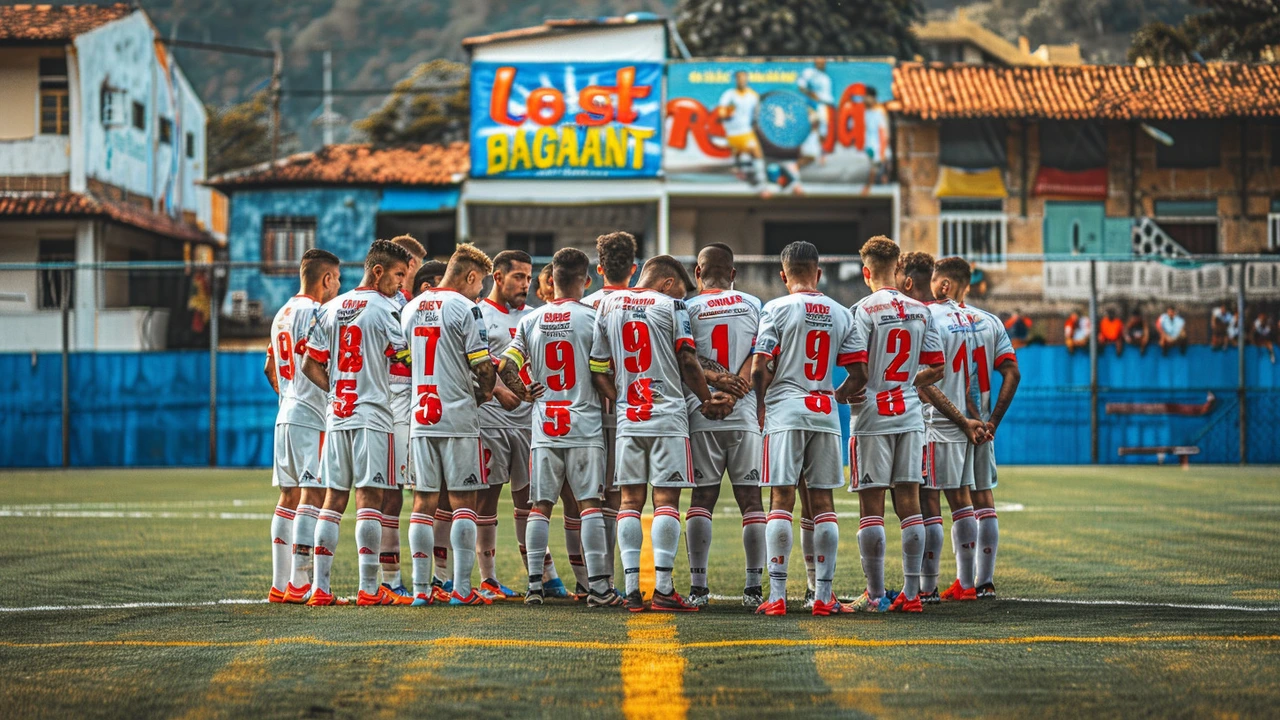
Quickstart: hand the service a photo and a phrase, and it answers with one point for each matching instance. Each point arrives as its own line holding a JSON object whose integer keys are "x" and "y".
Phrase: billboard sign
{"x": 566, "y": 120}
{"x": 778, "y": 124}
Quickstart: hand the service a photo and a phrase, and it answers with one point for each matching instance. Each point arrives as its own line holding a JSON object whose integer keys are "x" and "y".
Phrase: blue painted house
{"x": 339, "y": 198}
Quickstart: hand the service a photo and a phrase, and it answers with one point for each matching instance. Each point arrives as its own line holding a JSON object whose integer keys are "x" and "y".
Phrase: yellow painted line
{"x": 647, "y": 579}
{"x": 458, "y": 642}
{"x": 653, "y": 670}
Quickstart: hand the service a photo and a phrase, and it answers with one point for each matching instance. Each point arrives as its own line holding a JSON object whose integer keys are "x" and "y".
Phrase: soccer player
{"x": 546, "y": 289}
{"x": 641, "y": 353}
{"x": 348, "y": 357}
{"x": 724, "y": 324}
{"x": 401, "y": 397}
{"x": 453, "y": 375}
{"x": 737, "y": 112}
{"x": 428, "y": 276}
{"x": 299, "y": 432}
{"x": 554, "y": 343}
{"x": 616, "y": 253}
{"x": 803, "y": 336}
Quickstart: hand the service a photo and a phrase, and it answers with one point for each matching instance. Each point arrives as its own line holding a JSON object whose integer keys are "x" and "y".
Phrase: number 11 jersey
{"x": 554, "y": 343}
{"x": 446, "y": 339}
{"x": 893, "y": 334}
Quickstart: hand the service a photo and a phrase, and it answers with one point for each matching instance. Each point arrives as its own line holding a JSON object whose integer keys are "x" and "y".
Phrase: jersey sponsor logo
{"x": 555, "y": 317}
{"x": 900, "y": 308}
{"x": 724, "y": 301}
{"x": 350, "y": 310}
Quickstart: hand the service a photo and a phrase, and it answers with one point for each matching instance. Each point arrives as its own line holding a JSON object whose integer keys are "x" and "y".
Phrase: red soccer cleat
{"x": 320, "y": 598}
{"x": 670, "y": 603}
{"x": 830, "y": 607}
{"x": 773, "y": 607}
{"x": 957, "y": 593}
{"x": 296, "y": 595}
{"x": 902, "y": 604}
{"x": 275, "y": 596}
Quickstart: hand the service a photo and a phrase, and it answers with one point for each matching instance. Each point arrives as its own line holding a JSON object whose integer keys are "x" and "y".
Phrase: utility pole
{"x": 277, "y": 69}
{"x": 328, "y": 98}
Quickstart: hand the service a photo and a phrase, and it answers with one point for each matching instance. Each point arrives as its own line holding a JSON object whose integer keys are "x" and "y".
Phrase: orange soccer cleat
{"x": 321, "y": 598}
{"x": 958, "y": 593}
{"x": 296, "y": 595}
{"x": 773, "y": 607}
{"x": 902, "y": 604}
{"x": 474, "y": 598}
{"x": 275, "y": 596}
{"x": 830, "y": 607}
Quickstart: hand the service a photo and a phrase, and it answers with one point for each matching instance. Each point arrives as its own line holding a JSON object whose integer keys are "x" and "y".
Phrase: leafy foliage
{"x": 240, "y": 135}
{"x": 1242, "y": 30}
{"x": 432, "y": 105}
{"x": 799, "y": 27}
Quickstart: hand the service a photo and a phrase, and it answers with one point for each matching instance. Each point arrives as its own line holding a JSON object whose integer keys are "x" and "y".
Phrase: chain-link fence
{"x": 160, "y": 363}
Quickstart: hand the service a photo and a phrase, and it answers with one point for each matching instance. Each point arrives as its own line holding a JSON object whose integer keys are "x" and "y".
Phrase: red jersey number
{"x": 982, "y": 369}
{"x": 557, "y": 423}
{"x": 432, "y": 334}
{"x": 349, "y": 358}
{"x": 284, "y": 356}
{"x": 899, "y": 342}
{"x": 817, "y": 347}
{"x": 430, "y": 410}
{"x": 344, "y": 398}
{"x": 636, "y": 341}
{"x": 559, "y": 360}
{"x": 720, "y": 345}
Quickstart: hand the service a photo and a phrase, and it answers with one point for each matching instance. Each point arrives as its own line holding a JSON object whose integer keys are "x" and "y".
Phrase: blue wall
{"x": 151, "y": 409}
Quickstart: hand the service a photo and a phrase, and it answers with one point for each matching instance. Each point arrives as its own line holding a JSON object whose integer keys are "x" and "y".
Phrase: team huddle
{"x": 603, "y": 402}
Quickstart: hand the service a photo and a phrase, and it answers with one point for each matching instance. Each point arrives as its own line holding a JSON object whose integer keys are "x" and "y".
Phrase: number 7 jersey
{"x": 894, "y": 335}
{"x": 446, "y": 339}
{"x": 554, "y": 343}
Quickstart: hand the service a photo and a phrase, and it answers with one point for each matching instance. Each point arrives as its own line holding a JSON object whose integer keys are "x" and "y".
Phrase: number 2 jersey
{"x": 808, "y": 334}
{"x": 954, "y": 325}
{"x": 640, "y": 331}
{"x": 301, "y": 401}
{"x": 357, "y": 336}
{"x": 894, "y": 335}
{"x": 724, "y": 327}
{"x": 553, "y": 343}
{"x": 446, "y": 339}
{"x": 989, "y": 351}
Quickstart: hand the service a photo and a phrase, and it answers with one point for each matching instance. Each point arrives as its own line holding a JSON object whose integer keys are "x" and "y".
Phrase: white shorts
{"x": 401, "y": 449}
{"x": 983, "y": 464}
{"x": 452, "y": 463}
{"x": 506, "y": 456}
{"x": 715, "y": 451}
{"x": 947, "y": 465}
{"x": 788, "y": 453}
{"x": 296, "y": 457}
{"x": 610, "y": 459}
{"x": 360, "y": 457}
{"x": 582, "y": 468}
{"x": 658, "y": 461}
{"x": 882, "y": 461}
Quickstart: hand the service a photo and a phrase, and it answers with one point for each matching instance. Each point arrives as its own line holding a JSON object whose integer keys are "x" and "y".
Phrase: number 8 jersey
{"x": 894, "y": 335}
{"x": 357, "y": 335}
{"x": 446, "y": 339}
{"x": 554, "y": 343}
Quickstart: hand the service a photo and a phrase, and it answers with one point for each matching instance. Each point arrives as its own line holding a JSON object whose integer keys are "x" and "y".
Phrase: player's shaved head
{"x": 658, "y": 270}
{"x": 955, "y": 269}
{"x": 315, "y": 263}
{"x": 800, "y": 260}
{"x": 569, "y": 267}
{"x": 617, "y": 252}
{"x": 411, "y": 245}
{"x": 715, "y": 265}
{"x": 386, "y": 254}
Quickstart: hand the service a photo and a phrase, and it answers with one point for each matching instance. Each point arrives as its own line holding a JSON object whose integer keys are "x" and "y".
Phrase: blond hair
{"x": 413, "y": 246}
{"x": 468, "y": 254}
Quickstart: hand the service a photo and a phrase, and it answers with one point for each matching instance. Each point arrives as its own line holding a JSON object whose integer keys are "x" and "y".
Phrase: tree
{"x": 1240, "y": 30}
{"x": 432, "y": 105}
{"x": 240, "y": 135}
{"x": 799, "y": 27}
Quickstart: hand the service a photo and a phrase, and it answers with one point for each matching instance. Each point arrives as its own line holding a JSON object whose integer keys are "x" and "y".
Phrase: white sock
{"x": 610, "y": 539}
{"x": 462, "y": 537}
{"x": 665, "y": 535}
{"x": 964, "y": 536}
{"x": 630, "y": 541}
{"x": 753, "y": 524}
{"x": 422, "y": 540}
{"x": 443, "y": 532}
{"x": 304, "y": 533}
{"x": 988, "y": 543}
{"x": 871, "y": 548}
{"x": 281, "y": 547}
{"x": 777, "y": 535}
{"x": 389, "y": 550}
{"x": 535, "y": 538}
{"x": 549, "y": 568}
{"x": 521, "y": 516}
{"x": 594, "y": 541}
{"x": 912, "y": 554}
{"x": 573, "y": 546}
{"x": 326, "y": 545}
{"x": 932, "y": 558}
{"x": 697, "y": 523}
{"x": 757, "y": 170}
{"x": 368, "y": 539}
{"x": 826, "y": 541}
{"x": 806, "y": 549}
{"x": 486, "y": 546}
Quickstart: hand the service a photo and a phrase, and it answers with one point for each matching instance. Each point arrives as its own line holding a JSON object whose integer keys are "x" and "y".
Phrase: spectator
{"x": 1019, "y": 328}
{"x": 1223, "y": 327}
{"x": 1172, "y": 330}
{"x": 1263, "y": 336}
{"x": 977, "y": 282}
{"x": 1111, "y": 331}
{"x": 1136, "y": 331}
{"x": 1077, "y": 330}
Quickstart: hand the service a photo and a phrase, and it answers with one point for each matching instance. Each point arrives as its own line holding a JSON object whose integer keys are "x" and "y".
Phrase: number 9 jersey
{"x": 446, "y": 339}
{"x": 894, "y": 335}
{"x": 357, "y": 334}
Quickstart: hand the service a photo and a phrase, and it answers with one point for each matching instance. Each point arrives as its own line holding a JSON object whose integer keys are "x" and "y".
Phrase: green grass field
{"x": 1195, "y": 552}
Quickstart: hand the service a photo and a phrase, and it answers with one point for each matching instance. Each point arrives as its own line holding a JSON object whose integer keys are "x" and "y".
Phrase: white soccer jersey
{"x": 817, "y": 82}
{"x": 639, "y": 331}
{"x": 500, "y": 325}
{"x": 356, "y": 336}
{"x": 401, "y": 380}
{"x": 808, "y": 334}
{"x": 990, "y": 349}
{"x": 956, "y": 332}
{"x": 301, "y": 402}
{"x": 609, "y": 416}
{"x": 744, "y": 106}
{"x": 446, "y": 339}
{"x": 724, "y": 327}
{"x": 894, "y": 336}
{"x": 553, "y": 347}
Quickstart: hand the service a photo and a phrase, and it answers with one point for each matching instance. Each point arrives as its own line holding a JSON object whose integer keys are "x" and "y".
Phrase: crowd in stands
{"x": 1168, "y": 331}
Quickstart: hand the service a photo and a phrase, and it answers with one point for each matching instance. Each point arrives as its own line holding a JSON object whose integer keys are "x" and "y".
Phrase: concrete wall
{"x": 20, "y": 90}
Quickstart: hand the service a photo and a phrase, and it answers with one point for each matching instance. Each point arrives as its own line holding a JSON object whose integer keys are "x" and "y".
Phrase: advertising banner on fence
{"x": 566, "y": 120}
{"x": 778, "y": 124}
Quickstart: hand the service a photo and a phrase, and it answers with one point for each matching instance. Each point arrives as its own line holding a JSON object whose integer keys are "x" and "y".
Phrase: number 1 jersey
{"x": 446, "y": 339}
{"x": 724, "y": 327}
{"x": 357, "y": 334}
{"x": 990, "y": 350}
{"x": 807, "y": 334}
{"x": 301, "y": 401}
{"x": 894, "y": 336}
{"x": 955, "y": 328}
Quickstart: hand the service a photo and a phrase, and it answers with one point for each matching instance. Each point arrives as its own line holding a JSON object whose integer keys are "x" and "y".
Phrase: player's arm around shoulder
{"x": 853, "y": 356}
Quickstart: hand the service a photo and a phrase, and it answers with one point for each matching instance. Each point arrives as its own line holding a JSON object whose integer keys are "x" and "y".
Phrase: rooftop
{"x": 549, "y": 27}
{"x": 52, "y": 23}
{"x": 357, "y": 165}
{"x": 41, "y": 205}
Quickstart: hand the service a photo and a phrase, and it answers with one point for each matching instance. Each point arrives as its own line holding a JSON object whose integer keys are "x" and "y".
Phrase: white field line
{"x": 170, "y": 504}
{"x": 140, "y": 514}
{"x": 131, "y": 606}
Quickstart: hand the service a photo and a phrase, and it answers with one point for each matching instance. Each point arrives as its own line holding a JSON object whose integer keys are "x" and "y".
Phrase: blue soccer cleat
{"x": 556, "y": 589}
{"x": 400, "y": 590}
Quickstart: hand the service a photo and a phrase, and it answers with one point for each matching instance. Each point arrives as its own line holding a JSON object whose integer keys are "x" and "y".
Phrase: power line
{"x": 319, "y": 92}
{"x": 219, "y": 47}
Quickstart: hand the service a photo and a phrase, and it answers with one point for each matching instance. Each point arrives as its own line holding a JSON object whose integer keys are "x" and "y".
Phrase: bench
{"x": 1183, "y": 452}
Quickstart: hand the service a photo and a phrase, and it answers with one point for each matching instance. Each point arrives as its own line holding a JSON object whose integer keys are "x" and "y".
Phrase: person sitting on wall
{"x": 1172, "y": 330}
{"x": 1136, "y": 331}
{"x": 1263, "y": 334}
{"x": 1223, "y": 327}
{"x": 977, "y": 282}
{"x": 1111, "y": 330}
{"x": 1076, "y": 330}
{"x": 1019, "y": 328}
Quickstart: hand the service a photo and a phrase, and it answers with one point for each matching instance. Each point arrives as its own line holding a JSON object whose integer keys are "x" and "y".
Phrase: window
{"x": 55, "y": 106}
{"x": 1193, "y": 224}
{"x": 973, "y": 144}
{"x": 55, "y": 286}
{"x": 284, "y": 240}
{"x": 191, "y": 146}
{"x": 166, "y": 131}
{"x": 113, "y": 107}
{"x": 139, "y": 116}
{"x": 1196, "y": 144}
{"x": 974, "y": 230}
{"x": 537, "y": 244}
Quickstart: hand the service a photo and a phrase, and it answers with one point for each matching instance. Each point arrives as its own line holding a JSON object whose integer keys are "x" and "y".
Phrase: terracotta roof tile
{"x": 60, "y": 205}
{"x": 1110, "y": 92}
{"x": 56, "y": 22}
{"x": 357, "y": 165}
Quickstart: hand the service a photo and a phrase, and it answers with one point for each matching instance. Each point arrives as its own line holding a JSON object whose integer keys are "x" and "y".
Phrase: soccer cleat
{"x": 555, "y": 589}
{"x": 633, "y": 601}
{"x": 865, "y": 603}
{"x": 930, "y": 598}
{"x": 831, "y": 607}
{"x": 498, "y": 590}
{"x": 808, "y": 599}
{"x": 753, "y": 596}
{"x": 423, "y": 600}
{"x": 474, "y": 598}
{"x": 957, "y": 593}
{"x": 580, "y": 593}
{"x": 698, "y": 596}
{"x": 297, "y": 595}
{"x": 364, "y": 599}
{"x": 275, "y": 596}
{"x": 487, "y": 594}
{"x": 390, "y": 597}
{"x": 448, "y": 586}
{"x": 902, "y": 604}
{"x": 321, "y": 598}
{"x": 773, "y": 607}
{"x": 400, "y": 590}
{"x": 533, "y": 597}
{"x": 986, "y": 591}
{"x": 673, "y": 602}
{"x": 609, "y": 598}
